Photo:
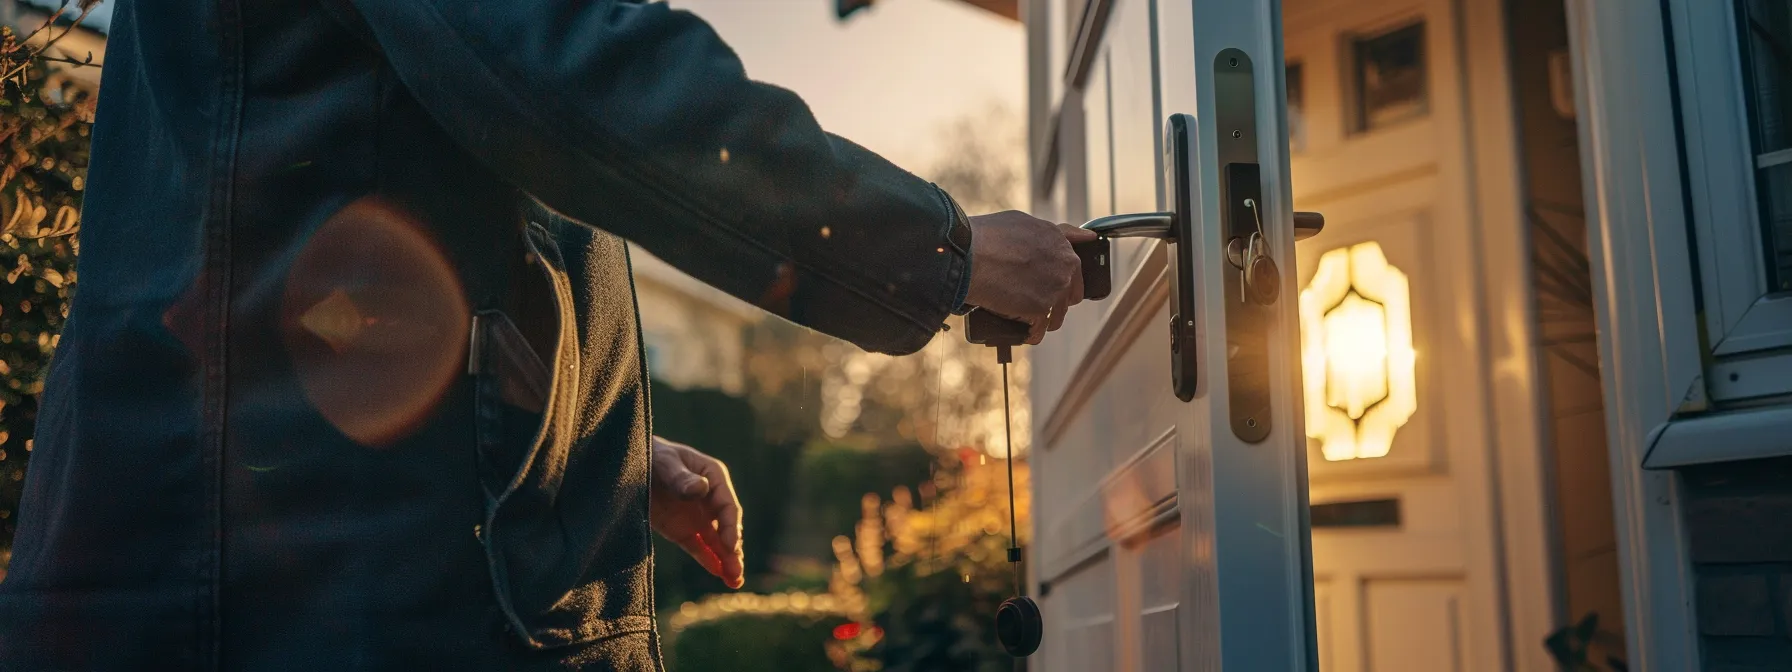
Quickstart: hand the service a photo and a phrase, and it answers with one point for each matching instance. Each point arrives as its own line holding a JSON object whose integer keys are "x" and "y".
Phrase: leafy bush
{"x": 942, "y": 619}
{"x": 932, "y": 576}
{"x": 44, "y": 138}
{"x": 832, "y": 478}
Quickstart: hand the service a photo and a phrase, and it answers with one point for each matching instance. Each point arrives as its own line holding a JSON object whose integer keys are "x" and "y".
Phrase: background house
{"x": 694, "y": 332}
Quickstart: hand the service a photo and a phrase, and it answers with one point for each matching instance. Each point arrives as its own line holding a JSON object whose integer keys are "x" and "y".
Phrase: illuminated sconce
{"x": 1356, "y": 353}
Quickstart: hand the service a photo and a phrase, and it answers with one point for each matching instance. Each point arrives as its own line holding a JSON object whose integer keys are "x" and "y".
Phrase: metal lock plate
{"x": 1255, "y": 283}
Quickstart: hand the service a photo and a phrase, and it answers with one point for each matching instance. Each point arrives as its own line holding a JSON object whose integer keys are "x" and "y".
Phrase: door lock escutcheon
{"x": 1260, "y": 286}
{"x": 1252, "y": 274}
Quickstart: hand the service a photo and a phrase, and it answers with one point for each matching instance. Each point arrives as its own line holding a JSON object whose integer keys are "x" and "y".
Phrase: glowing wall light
{"x": 1356, "y": 353}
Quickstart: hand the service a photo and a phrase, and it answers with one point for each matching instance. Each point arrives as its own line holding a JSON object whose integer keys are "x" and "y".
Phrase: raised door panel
{"x": 1160, "y": 594}
{"x": 1414, "y": 625}
{"x": 1323, "y": 626}
{"x": 1079, "y": 620}
{"x": 1120, "y": 416}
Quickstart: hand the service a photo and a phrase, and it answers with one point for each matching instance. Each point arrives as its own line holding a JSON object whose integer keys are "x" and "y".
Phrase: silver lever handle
{"x": 1139, "y": 225}
{"x": 1161, "y": 225}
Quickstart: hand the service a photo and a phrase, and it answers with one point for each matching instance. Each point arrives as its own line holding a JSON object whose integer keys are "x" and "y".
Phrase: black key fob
{"x": 985, "y": 328}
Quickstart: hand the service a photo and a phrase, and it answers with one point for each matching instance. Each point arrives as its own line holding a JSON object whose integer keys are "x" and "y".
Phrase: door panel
{"x": 1433, "y": 600}
{"x": 1160, "y": 597}
{"x": 1082, "y": 637}
{"x": 1198, "y": 536}
{"x": 1414, "y": 625}
{"x": 1324, "y": 628}
{"x": 1120, "y": 420}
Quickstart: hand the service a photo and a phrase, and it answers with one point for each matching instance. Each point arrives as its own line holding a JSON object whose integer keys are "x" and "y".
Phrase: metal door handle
{"x": 1162, "y": 225}
{"x": 1308, "y": 224}
{"x": 1159, "y": 225}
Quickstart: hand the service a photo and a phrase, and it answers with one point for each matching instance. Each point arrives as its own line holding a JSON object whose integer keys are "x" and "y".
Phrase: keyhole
{"x": 1232, "y": 62}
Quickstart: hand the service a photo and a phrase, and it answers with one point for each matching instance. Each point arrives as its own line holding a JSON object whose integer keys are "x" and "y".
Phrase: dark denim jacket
{"x": 349, "y": 383}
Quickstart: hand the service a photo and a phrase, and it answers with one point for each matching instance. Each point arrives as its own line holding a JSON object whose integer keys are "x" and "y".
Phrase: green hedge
{"x": 750, "y": 643}
{"x": 833, "y": 477}
{"x": 724, "y": 427}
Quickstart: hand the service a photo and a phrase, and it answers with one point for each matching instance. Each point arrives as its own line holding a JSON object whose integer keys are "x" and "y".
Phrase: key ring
{"x": 1256, "y": 216}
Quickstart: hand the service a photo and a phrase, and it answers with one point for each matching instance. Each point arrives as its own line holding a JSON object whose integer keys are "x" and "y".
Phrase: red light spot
{"x": 846, "y": 631}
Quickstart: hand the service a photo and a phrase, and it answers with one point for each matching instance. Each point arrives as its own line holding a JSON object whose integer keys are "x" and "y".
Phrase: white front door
{"x": 1405, "y": 539}
{"x": 1170, "y": 492}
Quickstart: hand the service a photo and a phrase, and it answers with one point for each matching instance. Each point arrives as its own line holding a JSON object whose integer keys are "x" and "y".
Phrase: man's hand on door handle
{"x": 1023, "y": 268}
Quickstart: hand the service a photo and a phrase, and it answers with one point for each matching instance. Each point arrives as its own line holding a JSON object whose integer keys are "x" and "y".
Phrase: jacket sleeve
{"x": 639, "y": 120}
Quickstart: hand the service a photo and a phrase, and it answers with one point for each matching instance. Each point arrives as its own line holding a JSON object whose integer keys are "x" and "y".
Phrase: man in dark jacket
{"x": 353, "y": 379}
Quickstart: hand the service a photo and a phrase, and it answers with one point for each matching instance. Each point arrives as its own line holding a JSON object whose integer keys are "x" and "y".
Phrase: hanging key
{"x": 1259, "y": 281}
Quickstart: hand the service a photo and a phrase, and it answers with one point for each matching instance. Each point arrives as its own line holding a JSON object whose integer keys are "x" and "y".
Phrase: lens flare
{"x": 375, "y": 322}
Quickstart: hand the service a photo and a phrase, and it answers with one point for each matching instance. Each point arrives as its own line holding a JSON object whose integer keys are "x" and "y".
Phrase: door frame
{"x": 1533, "y": 574}
{"x": 1649, "y": 345}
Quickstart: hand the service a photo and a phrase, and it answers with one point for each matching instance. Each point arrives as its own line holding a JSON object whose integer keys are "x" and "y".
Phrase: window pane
{"x": 1776, "y": 201}
{"x": 1767, "y": 28}
{"x": 1390, "y": 78}
{"x": 1766, "y": 43}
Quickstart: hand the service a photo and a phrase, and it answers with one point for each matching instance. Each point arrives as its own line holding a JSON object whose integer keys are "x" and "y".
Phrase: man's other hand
{"x": 694, "y": 506}
{"x": 1023, "y": 268}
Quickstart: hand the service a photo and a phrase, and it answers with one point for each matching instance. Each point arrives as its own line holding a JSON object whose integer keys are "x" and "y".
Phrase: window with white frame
{"x": 1733, "y": 72}
{"x": 1766, "y": 51}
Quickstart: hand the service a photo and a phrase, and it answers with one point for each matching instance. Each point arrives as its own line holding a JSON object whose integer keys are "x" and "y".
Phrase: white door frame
{"x": 1649, "y": 347}
{"x": 1250, "y": 591}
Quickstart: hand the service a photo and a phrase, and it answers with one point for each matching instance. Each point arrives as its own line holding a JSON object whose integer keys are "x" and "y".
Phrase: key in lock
{"x": 1260, "y": 280}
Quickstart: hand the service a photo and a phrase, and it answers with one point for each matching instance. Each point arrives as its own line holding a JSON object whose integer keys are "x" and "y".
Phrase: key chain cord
{"x": 1003, "y": 355}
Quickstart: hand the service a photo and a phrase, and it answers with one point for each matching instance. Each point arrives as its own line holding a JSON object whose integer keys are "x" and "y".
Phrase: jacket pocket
{"x": 544, "y": 544}
{"x": 511, "y": 383}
